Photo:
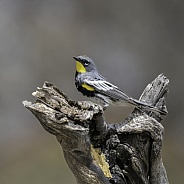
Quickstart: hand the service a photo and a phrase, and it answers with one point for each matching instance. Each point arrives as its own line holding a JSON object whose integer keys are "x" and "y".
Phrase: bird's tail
{"x": 142, "y": 105}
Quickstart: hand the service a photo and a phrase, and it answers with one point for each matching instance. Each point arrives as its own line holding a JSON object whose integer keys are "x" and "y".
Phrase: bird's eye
{"x": 86, "y": 63}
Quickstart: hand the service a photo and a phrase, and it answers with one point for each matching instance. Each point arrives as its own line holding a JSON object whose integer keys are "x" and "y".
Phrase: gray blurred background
{"x": 131, "y": 41}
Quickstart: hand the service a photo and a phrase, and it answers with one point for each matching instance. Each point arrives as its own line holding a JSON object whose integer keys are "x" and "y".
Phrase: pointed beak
{"x": 75, "y": 57}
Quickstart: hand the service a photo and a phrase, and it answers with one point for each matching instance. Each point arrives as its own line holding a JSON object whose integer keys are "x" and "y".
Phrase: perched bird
{"x": 91, "y": 84}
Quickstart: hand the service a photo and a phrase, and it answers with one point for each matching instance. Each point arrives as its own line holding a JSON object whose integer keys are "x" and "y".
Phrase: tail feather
{"x": 148, "y": 107}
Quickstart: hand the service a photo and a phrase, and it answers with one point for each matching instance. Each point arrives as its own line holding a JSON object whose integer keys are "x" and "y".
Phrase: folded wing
{"x": 108, "y": 89}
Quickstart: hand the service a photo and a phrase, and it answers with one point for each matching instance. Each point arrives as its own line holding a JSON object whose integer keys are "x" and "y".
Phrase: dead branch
{"x": 96, "y": 152}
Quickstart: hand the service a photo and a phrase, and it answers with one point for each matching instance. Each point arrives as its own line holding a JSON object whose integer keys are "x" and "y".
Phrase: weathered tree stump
{"x": 96, "y": 152}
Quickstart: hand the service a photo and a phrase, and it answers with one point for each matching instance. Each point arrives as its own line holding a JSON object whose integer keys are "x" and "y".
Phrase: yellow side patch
{"x": 99, "y": 157}
{"x": 89, "y": 88}
{"x": 80, "y": 68}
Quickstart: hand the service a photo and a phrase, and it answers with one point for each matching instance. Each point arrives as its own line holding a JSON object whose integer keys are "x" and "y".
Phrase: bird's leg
{"x": 105, "y": 106}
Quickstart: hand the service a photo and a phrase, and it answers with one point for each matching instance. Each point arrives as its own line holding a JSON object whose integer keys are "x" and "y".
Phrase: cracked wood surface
{"x": 96, "y": 152}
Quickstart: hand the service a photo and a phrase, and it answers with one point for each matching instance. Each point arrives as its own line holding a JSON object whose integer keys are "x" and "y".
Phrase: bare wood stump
{"x": 96, "y": 152}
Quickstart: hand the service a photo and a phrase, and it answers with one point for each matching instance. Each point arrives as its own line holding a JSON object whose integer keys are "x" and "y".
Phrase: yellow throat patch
{"x": 80, "y": 68}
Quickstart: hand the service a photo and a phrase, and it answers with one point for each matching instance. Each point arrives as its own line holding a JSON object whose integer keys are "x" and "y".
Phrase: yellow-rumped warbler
{"x": 91, "y": 84}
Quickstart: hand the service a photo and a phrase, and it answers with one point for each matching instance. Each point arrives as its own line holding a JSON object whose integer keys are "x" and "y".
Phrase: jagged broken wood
{"x": 96, "y": 152}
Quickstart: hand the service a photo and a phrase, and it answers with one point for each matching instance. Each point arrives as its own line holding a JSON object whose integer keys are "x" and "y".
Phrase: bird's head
{"x": 84, "y": 64}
